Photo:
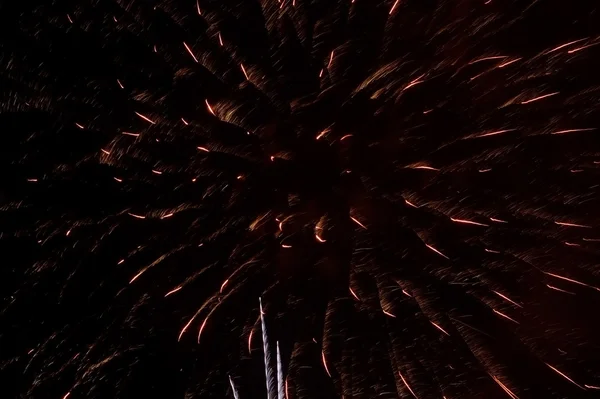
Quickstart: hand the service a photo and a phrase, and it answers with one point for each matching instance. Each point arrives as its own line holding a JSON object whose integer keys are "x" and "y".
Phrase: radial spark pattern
{"x": 410, "y": 187}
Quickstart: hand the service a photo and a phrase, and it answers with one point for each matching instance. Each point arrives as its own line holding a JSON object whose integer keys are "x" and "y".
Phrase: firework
{"x": 409, "y": 187}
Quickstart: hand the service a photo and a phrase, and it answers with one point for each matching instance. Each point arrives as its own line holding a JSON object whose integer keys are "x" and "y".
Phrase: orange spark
{"x": 410, "y": 203}
{"x": 66, "y": 395}
{"x": 32, "y": 180}
{"x": 406, "y": 293}
{"x": 385, "y": 312}
{"x": 209, "y": 108}
{"x": 71, "y": 21}
{"x": 117, "y": 179}
{"x": 346, "y": 136}
{"x": 158, "y": 172}
{"x": 136, "y": 216}
{"x": 498, "y": 220}
{"x": 121, "y": 261}
{"x": 186, "y": 327}
{"x": 354, "y": 294}
{"x": 223, "y": 286}
{"x": 496, "y": 57}
{"x": 571, "y": 280}
{"x": 484, "y": 170}
{"x": 244, "y": 70}
{"x": 250, "y": 341}
{"x": 439, "y": 328}
{"x": 168, "y": 215}
{"x": 104, "y": 151}
{"x": 330, "y": 59}
{"x": 323, "y": 133}
{"x": 202, "y": 149}
{"x": 565, "y": 45}
{"x": 321, "y": 73}
{"x": 572, "y": 225}
{"x": 319, "y": 238}
{"x": 198, "y": 8}
{"x": 505, "y": 388}
{"x": 559, "y": 289}
{"x": 507, "y": 298}
{"x": 425, "y": 167}
{"x": 145, "y": 118}
{"x": 436, "y": 251}
{"x": 325, "y": 364}
{"x": 507, "y": 63}
{"x": 189, "y": 50}
{"x": 137, "y": 275}
{"x": 184, "y": 121}
{"x": 505, "y": 316}
{"x": 495, "y": 133}
{"x": 130, "y": 134}
{"x": 220, "y": 39}
{"x": 79, "y": 126}
{"x": 571, "y": 244}
{"x": 68, "y": 232}
{"x": 468, "y": 222}
{"x": 285, "y": 246}
{"x": 491, "y": 251}
{"x": 394, "y": 7}
{"x": 539, "y": 98}
{"x": 407, "y": 386}
{"x": 174, "y": 290}
{"x": 581, "y": 48}
{"x": 202, "y": 328}
{"x": 587, "y": 129}
{"x": 120, "y": 84}
{"x": 357, "y": 222}
{"x": 565, "y": 376}
{"x": 591, "y": 386}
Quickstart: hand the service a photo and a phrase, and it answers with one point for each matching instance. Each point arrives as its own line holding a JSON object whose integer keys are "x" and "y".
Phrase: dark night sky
{"x": 411, "y": 188}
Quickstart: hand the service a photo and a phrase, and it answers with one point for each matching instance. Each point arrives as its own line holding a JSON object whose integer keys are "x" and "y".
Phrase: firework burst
{"x": 409, "y": 187}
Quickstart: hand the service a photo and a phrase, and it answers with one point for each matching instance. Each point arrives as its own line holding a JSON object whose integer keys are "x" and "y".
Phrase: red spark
{"x": 157, "y": 172}
{"x": 319, "y": 238}
{"x": 120, "y": 84}
{"x": 130, "y": 134}
{"x": 32, "y": 180}
{"x": 104, "y": 151}
{"x": 168, "y": 215}
{"x": 220, "y": 39}
{"x": 184, "y": 122}
{"x": 117, "y": 179}
{"x": 571, "y": 280}
{"x": 202, "y": 328}
{"x": 581, "y": 48}
{"x": 410, "y": 204}
{"x": 498, "y": 220}
{"x": 394, "y": 7}
{"x": 198, "y": 8}
{"x": 385, "y": 312}
{"x": 285, "y": 246}
{"x": 202, "y": 149}
{"x": 250, "y": 341}
{"x": 121, "y": 262}
{"x": 330, "y": 59}
{"x": 136, "y": 216}
{"x": 79, "y": 126}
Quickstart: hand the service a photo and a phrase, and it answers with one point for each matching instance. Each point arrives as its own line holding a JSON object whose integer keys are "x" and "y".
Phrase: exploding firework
{"x": 409, "y": 187}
